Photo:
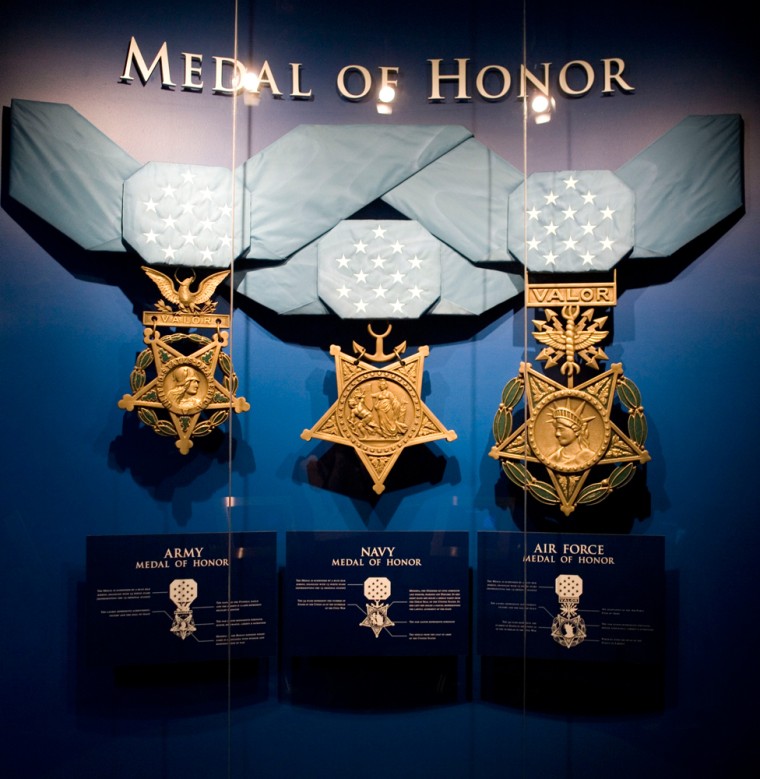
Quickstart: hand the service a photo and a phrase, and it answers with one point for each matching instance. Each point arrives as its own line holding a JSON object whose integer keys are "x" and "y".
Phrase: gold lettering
{"x": 134, "y": 55}
{"x": 460, "y": 77}
{"x": 295, "y": 80}
{"x": 609, "y": 76}
{"x": 237, "y": 78}
{"x": 341, "y": 82}
{"x": 566, "y": 88}
{"x": 526, "y": 75}
{"x": 506, "y": 82}
{"x": 192, "y": 70}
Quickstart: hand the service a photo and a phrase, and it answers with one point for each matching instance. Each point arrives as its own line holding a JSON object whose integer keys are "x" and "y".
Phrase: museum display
{"x": 384, "y": 594}
{"x": 180, "y": 597}
{"x": 379, "y": 392}
{"x": 572, "y": 597}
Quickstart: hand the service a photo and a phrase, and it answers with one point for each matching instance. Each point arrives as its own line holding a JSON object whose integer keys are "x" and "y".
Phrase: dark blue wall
{"x": 76, "y": 465}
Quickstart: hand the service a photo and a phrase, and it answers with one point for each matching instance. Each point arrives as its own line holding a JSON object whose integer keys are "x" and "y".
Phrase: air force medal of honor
{"x": 193, "y": 381}
{"x": 568, "y": 430}
{"x": 379, "y": 411}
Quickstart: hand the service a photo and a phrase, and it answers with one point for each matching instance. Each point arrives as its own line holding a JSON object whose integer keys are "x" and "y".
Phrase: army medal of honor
{"x": 193, "y": 385}
{"x": 379, "y": 411}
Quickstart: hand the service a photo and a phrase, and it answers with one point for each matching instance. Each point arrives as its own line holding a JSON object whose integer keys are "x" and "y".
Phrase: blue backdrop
{"x": 76, "y": 465}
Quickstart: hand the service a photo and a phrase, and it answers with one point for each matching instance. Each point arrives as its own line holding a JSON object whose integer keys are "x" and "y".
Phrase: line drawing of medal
{"x": 568, "y": 627}
{"x": 376, "y": 590}
{"x": 182, "y": 592}
{"x": 379, "y": 411}
{"x": 193, "y": 381}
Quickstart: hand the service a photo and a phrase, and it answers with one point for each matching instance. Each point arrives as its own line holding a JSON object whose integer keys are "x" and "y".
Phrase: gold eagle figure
{"x": 182, "y": 296}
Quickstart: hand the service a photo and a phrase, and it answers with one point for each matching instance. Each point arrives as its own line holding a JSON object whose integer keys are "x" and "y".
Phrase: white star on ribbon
{"x": 183, "y": 215}
{"x": 562, "y": 235}
{"x": 382, "y": 270}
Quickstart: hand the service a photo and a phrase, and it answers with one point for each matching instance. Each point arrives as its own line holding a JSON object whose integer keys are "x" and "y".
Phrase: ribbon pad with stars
{"x": 379, "y": 270}
{"x": 575, "y": 221}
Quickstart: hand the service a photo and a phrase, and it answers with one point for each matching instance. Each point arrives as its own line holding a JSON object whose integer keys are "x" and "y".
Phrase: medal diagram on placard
{"x": 379, "y": 411}
{"x": 193, "y": 384}
{"x": 376, "y": 590}
{"x": 568, "y": 627}
{"x": 182, "y": 592}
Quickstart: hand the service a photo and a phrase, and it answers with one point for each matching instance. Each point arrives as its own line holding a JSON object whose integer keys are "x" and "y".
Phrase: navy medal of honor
{"x": 569, "y": 430}
{"x": 379, "y": 411}
{"x": 193, "y": 385}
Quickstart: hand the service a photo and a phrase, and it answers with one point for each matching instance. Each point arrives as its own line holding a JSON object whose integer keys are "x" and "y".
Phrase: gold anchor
{"x": 379, "y": 355}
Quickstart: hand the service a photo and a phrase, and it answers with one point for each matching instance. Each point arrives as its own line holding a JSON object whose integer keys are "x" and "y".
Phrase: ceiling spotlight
{"x": 250, "y": 86}
{"x": 385, "y": 97}
{"x": 542, "y": 107}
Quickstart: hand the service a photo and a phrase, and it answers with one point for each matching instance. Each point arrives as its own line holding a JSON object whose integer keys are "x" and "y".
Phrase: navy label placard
{"x": 181, "y": 597}
{"x": 575, "y": 597}
{"x": 376, "y": 594}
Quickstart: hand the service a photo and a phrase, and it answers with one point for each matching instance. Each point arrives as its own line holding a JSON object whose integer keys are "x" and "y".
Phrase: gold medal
{"x": 571, "y": 430}
{"x": 193, "y": 385}
{"x": 379, "y": 411}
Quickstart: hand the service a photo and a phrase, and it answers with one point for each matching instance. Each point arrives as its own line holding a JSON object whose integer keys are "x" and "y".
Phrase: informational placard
{"x": 376, "y": 594}
{"x": 181, "y": 598}
{"x": 576, "y": 597}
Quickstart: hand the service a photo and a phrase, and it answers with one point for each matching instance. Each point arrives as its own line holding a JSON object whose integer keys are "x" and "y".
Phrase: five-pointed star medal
{"x": 550, "y": 436}
{"x": 379, "y": 411}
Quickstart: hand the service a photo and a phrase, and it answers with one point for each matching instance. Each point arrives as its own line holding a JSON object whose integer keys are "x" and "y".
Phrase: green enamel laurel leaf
{"x": 502, "y": 425}
{"x": 621, "y": 475}
{"x": 637, "y": 427}
{"x": 231, "y": 383}
{"x": 204, "y": 428}
{"x": 162, "y": 427}
{"x": 219, "y": 417}
{"x": 137, "y": 379}
{"x": 225, "y": 363}
{"x": 147, "y": 417}
{"x": 517, "y": 472}
{"x": 512, "y": 393}
{"x": 594, "y": 493}
{"x": 629, "y": 393}
{"x": 144, "y": 359}
{"x": 544, "y": 492}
